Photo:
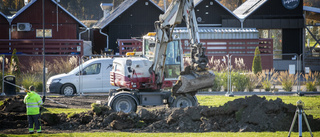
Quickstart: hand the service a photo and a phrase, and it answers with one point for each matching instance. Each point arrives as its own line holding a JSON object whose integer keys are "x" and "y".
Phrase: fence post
{"x": 229, "y": 91}
{"x": 80, "y": 91}
{"x": 299, "y": 72}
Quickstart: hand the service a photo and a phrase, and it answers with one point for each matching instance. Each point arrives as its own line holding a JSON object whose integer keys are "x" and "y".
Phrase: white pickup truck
{"x": 91, "y": 76}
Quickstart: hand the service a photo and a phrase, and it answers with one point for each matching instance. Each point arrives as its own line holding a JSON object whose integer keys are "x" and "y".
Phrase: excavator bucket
{"x": 192, "y": 81}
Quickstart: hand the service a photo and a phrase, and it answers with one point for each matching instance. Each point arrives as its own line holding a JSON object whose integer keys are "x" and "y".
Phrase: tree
{"x": 256, "y": 64}
{"x": 14, "y": 64}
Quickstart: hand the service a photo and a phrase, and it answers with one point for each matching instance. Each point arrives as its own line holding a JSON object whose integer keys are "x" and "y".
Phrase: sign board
{"x": 290, "y": 4}
{"x": 292, "y": 69}
{"x": 307, "y": 70}
{"x": 78, "y": 48}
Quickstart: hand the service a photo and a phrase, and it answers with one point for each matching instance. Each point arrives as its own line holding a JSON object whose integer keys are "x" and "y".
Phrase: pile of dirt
{"x": 249, "y": 114}
{"x": 14, "y": 104}
{"x": 246, "y": 114}
{"x": 12, "y": 114}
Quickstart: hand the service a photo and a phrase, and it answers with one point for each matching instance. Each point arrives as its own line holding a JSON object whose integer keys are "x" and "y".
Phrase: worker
{"x": 33, "y": 102}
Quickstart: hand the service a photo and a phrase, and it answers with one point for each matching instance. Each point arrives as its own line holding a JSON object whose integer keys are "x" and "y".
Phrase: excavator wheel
{"x": 183, "y": 101}
{"x": 125, "y": 104}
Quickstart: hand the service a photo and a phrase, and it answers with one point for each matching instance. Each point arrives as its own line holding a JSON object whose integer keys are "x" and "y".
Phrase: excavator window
{"x": 173, "y": 61}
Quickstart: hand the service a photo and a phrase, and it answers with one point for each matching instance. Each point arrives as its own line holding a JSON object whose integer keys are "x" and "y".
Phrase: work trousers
{"x": 34, "y": 122}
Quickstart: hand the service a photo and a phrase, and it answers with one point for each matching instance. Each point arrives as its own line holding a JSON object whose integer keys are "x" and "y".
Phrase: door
{"x": 107, "y": 67}
{"x": 91, "y": 78}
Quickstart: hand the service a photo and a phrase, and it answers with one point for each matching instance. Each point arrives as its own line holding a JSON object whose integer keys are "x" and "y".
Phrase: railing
{"x": 233, "y": 46}
{"x": 34, "y": 46}
{"x": 128, "y": 45}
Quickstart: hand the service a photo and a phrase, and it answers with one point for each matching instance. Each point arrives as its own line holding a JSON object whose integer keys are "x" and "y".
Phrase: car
{"x": 90, "y": 77}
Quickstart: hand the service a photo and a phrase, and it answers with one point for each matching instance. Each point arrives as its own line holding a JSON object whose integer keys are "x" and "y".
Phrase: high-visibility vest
{"x": 33, "y": 103}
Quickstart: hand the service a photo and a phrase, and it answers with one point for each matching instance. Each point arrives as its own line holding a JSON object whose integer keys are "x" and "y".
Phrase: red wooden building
{"x": 62, "y": 30}
{"x": 4, "y": 26}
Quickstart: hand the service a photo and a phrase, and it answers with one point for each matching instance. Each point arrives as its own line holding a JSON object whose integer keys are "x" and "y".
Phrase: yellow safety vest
{"x": 33, "y": 103}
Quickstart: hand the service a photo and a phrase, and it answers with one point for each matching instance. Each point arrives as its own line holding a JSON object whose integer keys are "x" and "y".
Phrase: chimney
{"x": 26, "y": 2}
{"x": 106, "y": 8}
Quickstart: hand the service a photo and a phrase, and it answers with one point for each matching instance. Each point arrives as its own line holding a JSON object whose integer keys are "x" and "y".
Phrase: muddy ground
{"x": 250, "y": 114}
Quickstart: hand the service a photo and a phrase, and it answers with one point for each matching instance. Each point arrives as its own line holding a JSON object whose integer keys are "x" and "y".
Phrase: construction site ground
{"x": 248, "y": 114}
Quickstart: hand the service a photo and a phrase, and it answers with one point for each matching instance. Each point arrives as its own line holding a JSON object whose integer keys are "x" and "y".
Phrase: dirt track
{"x": 241, "y": 115}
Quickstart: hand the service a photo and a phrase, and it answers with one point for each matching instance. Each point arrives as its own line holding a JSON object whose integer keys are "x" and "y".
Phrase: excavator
{"x": 141, "y": 80}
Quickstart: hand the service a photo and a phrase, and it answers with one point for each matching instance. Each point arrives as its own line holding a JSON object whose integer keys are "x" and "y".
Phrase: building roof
{"x": 248, "y": 7}
{"x": 213, "y": 30}
{"x": 311, "y": 9}
{"x": 1, "y": 14}
{"x": 103, "y": 22}
{"x": 197, "y": 2}
{"x": 33, "y": 1}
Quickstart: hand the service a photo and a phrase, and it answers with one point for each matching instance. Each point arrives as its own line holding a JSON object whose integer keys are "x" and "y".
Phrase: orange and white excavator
{"x": 141, "y": 80}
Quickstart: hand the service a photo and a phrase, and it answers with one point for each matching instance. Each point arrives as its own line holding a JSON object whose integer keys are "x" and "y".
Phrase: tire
{"x": 125, "y": 104}
{"x": 184, "y": 101}
{"x": 68, "y": 90}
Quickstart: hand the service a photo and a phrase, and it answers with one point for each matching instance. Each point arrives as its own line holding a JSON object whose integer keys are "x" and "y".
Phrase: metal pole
{"x": 43, "y": 53}
{"x": 79, "y": 77}
{"x": 229, "y": 84}
{"x": 299, "y": 73}
{"x": 300, "y": 122}
{"x": 3, "y": 59}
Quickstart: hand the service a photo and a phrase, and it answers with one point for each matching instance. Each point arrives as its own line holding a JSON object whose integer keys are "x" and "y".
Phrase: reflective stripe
{"x": 31, "y": 103}
{"x": 40, "y": 102}
{"x": 33, "y": 106}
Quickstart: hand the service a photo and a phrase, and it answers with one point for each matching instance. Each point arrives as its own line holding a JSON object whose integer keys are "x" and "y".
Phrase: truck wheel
{"x": 125, "y": 104}
{"x": 184, "y": 101}
{"x": 68, "y": 90}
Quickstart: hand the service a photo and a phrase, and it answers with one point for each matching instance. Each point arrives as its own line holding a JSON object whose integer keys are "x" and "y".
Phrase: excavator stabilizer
{"x": 193, "y": 81}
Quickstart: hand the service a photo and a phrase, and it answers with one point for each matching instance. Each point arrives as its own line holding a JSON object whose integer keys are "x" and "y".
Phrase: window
{"x": 92, "y": 69}
{"x": 47, "y": 33}
{"x": 276, "y": 35}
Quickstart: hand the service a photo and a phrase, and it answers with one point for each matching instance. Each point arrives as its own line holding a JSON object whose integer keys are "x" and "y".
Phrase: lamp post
{"x": 43, "y": 53}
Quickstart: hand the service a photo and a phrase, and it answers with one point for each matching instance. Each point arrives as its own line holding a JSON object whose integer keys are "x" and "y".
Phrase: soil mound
{"x": 246, "y": 114}
{"x": 14, "y": 104}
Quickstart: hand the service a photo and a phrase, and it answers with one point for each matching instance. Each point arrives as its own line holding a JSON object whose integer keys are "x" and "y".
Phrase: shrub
{"x": 253, "y": 81}
{"x": 38, "y": 86}
{"x": 311, "y": 86}
{"x": 311, "y": 81}
{"x": 287, "y": 80}
{"x": 266, "y": 84}
{"x": 14, "y": 64}
{"x": 30, "y": 79}
{"x": 217, "y": 82}
{"x": 256, "y": 63}
{"x": 224, "y": 80}
{"x": 267, "y": 78}
{"x": 239, "y": 81}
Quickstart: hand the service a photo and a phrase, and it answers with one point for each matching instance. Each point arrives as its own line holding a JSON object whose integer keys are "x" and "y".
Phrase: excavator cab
{"x": 174, "y": 59}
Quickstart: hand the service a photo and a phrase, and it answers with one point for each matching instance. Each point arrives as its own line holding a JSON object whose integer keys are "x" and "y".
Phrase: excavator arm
{"x": 196, "y": 76}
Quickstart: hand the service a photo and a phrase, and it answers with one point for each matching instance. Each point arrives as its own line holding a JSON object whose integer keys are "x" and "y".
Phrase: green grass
{"x": 312, "y": 103}
{"x": 206, "y": 134}
{"x": 65, "y": 110}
